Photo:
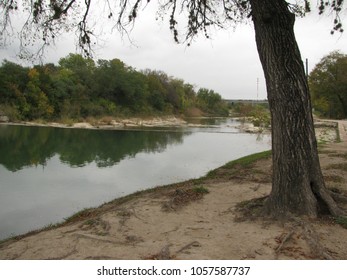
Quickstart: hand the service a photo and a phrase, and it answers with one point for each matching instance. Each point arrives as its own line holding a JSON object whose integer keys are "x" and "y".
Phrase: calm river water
{"x": 47, "y": 174}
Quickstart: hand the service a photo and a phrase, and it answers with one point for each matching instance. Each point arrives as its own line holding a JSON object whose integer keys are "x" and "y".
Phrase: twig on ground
{"x": 284, "y": 240}
{"x": 191, "y": 244}
{"x": 312, "y": 239}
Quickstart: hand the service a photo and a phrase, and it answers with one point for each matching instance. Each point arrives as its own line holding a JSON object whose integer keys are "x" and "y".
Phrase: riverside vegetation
{"x": 79, "y": 88}
{"x": 258, "y": 115}
{"x": 328, "y": 86}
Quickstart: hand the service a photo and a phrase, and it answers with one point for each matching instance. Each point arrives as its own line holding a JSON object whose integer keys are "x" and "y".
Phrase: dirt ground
{"x": 182, "y": 221}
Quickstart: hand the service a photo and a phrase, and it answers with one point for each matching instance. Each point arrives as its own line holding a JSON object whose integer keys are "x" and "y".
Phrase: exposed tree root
{"x": 284, "y": 240}
{"x": 312, "y": 239}
{"x": 164, "y": 254}
{"x": 306, "y": 232}
{"x": 181, "y": 197}
{"x": 338, "y": 197}
{"x": 314, "y": 203}
{"x": 325, "y": 199}
{"x": 299, "y": 228}
{"x": 188, "y": 246}
{"x": 250, "y": 209}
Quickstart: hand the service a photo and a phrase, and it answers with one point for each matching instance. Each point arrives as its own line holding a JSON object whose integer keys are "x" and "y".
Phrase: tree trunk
{"x": 343, "y": 104}
{"x": 297, "y": 184}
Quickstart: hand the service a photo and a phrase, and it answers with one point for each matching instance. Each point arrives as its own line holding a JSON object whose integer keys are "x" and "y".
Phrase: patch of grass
{"x": 248, "y": 160}
{"x": 342, "y": 220}
{"x": 81, "y": 215}
{"x": 90, "y": 222}
{"x": 322, "y": 143}
{"x": 201, "y": 189}
{"x": 241, "y": 163}
{"x": 32, "y": 232}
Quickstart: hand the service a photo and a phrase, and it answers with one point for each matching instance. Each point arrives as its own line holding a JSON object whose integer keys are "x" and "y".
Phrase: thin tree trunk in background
{"x": 298, "y": 185}
{"x": 343, "y": 104}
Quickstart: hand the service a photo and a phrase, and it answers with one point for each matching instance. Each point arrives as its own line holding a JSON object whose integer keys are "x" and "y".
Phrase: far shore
{"x": 323, "y": 127}
{"x": 109, "y": 123}
{"x": 136, "y": 123}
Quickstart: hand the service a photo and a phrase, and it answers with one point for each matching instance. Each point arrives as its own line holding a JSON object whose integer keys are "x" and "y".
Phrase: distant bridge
{"x": 246, "y": 101}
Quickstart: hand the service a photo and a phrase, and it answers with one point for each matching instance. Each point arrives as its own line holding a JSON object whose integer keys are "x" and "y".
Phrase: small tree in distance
{"x": 328, "y": 85}
{"x": 297, "y": 184}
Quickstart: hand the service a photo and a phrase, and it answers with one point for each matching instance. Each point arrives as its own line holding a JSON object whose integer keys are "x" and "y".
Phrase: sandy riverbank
{"x": 182, "y": 222}
{"x": 112, "y": 123}
{"x": 324, "y": 128}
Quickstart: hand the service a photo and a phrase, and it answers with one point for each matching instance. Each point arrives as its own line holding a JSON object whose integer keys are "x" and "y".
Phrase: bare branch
{"x": 6, "y": 8}
{"x": 84, "y": 33}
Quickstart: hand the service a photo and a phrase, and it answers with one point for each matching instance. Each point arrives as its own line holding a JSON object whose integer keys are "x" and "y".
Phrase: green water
{"x": 47, "y": 174}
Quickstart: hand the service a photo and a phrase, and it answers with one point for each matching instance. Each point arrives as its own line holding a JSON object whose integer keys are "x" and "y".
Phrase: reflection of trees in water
{"x": 22, "y": 146}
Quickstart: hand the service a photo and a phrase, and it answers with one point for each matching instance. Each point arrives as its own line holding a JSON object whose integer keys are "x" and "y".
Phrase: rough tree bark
{"x": 298, "y": 186}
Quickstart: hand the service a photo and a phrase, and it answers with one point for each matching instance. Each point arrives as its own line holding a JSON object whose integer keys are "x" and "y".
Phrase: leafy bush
{"x": 11, "y": 112}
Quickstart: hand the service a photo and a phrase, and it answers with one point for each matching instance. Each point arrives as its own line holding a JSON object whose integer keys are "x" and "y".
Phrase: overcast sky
{"x": 228, "y": 63}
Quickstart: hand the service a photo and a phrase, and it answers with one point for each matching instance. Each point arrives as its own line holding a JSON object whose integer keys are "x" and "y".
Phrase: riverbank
{"x": 109, "y": 123}
{"x": 197, "y": 219}
{"x": 325, "y": 129}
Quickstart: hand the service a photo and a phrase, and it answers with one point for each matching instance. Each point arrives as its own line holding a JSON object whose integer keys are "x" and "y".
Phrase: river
{"x": 47, "y": 174}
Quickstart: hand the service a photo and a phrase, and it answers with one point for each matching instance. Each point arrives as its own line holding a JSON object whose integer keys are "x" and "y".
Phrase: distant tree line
{"x": 79, "y": 87}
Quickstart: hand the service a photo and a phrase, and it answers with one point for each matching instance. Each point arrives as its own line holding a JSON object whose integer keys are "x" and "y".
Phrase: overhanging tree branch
{"x": 52, "y": 17}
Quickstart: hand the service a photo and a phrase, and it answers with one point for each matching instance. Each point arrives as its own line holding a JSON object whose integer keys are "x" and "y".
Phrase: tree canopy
{"x": 328, "y": 85}
{"x": 79, "y": 88}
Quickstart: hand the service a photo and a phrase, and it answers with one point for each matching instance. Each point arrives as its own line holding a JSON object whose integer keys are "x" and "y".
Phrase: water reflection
{"x": 22, "y": 146}
{"x": 69, "y": 177}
